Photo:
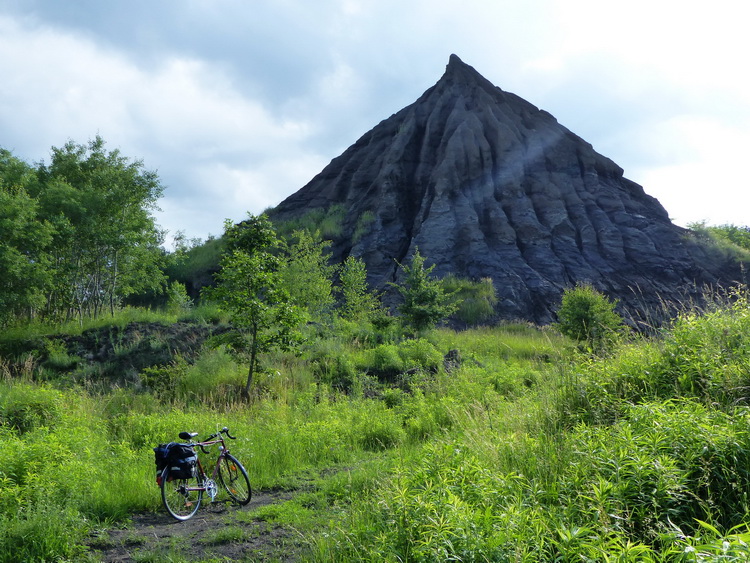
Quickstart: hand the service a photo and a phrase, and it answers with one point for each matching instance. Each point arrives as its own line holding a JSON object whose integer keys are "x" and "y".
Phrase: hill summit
{"x": 485, "y": 184}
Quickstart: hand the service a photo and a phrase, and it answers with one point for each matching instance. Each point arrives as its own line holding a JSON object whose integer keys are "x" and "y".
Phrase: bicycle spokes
{"x": 182, "y": 485}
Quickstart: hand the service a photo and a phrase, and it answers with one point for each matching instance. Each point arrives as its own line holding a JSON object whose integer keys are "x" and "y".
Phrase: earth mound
{"x": 485, "y": 184}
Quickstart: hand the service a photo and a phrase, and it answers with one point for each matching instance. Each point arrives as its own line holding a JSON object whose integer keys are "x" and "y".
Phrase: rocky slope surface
{"x": 487, "y": 185}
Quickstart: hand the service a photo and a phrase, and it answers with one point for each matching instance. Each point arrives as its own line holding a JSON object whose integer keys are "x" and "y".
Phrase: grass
{"x": 524, "y": 450}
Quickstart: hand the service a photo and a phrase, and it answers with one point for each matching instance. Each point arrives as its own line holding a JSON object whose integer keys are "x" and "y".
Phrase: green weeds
{"x": 513, "y": 448}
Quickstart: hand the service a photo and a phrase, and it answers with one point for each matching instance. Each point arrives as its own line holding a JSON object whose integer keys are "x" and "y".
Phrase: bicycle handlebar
{"x": 189, "y": 436}
{"x": 224, "y": 430}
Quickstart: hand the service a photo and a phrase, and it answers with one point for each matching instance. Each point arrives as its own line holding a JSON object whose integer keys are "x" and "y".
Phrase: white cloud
{"x": 182, "y": 117}
{"x": 702, "y": 180}
{"x": 238, "y": 107}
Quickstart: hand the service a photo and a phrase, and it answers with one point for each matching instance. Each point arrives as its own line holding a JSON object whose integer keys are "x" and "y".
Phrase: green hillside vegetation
{"x": 404, "y": 439}
{"x": 501, "y": 443}
{"x": 732, "y": 240}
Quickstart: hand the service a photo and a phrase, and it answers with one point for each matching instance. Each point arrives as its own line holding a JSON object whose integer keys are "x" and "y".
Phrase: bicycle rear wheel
{"x": 233, "y": 477}
{"x": 181, "y": 497}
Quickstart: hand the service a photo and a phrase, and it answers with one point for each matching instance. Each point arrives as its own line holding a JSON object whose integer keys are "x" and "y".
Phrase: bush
{"x": 420, "y": 354}
{"x": 707, "y": 355}
{"x": 588, "y": 316}
{"x": 25, "y": 407}
{"x": 384, "y": 360}
{"x": 178, "y": 300}
{"x": 476, "y": 299}
{"x": 376, "y": 430}
{"x": 162, "y": 379}
{"x": 662, "y": 465}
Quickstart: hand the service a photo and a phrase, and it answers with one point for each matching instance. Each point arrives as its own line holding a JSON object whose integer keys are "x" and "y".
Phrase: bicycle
{"x": 182, "y": 496}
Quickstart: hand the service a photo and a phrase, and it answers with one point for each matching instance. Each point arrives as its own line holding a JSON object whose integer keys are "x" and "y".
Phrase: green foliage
{"x": 359, "y": 303}
{"x": 731, "y": 239}
{"x": 328, "y": 222}
{"x": 306, "y": 274}
{"x": 588, "y": 316}
{"x": 524, "y": 451}
{"x": 390, "y": 360}
{"x": 332, "y": 363}
{"x": 385, "y": 361}
{"x": 250, "y": 289}
{"x": 662, "y": 465}
{"x": 42, "y": 533}
{"x": 106, "y": 244}
{"x": 24, "y": 242}
{"x": 711, "y": 544}
{"x": 425, "y": 301}
{"x": 162, "y": 379}
{"x": 376, "y": 430}
{"x": 733, "y": 233}
{"x": 363, "y": 225}
{"x": 25, "y": 407}
{"x": 178, "y": 301}
{"x": 707, "y": 355}
{"x": 477, "y": 299}
{"x": 702, "y": 356}
{"x": 420, "y": 354}
{"x": 77, "y": 234}
{"x": 194, "y": 264}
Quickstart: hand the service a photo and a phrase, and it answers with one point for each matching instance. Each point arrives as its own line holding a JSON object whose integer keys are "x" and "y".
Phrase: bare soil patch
{"x": 215, "y": 533}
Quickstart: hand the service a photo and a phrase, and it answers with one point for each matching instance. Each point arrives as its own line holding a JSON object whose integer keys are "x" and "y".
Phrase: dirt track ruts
{"x": 158, "y": 536}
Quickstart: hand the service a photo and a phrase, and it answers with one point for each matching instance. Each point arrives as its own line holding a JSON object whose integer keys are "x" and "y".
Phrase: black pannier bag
{"x": 160, "y": 457}
{"x": 180, "y": 458}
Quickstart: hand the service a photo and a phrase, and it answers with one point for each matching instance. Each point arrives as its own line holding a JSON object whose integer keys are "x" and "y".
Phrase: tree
{"x": 588, "y": 316}
{"x": 249, "y": 287}
{"x": 426, "y": 302}
{"x": 359, "y": 303}
{"x": 306, "y": 274}
{"x": 106, "y": 243}
{"x": 24, "y": 242}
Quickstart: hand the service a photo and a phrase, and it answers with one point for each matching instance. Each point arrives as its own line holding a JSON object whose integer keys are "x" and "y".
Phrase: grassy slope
{"x": 524, "y": 452}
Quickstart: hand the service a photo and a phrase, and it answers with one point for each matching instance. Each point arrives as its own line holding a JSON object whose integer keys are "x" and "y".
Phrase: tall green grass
{"x": 517, "y": 449}
{"x": 605, "y": 458}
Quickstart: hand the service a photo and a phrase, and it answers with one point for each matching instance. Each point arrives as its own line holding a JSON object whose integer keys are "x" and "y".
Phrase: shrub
{"x": 363, "y": 225}
{"x": 662, "y": 464}
{"x": 419, "y": 354}
{"x": 178, "y": 300}
{"x": 588, "y": 316}
{"x": 333, "y": 364}
{"x": 162, "y": 380}
{"x": 707, "y": 355}
{"x": 376, "y": 430}
{"x": 25, "y": 407}
{"x": 476, "y": 299}
{"x": 384, "y": 360}
{"x": 425, "y": 300}
{"x": 58, "y": 358}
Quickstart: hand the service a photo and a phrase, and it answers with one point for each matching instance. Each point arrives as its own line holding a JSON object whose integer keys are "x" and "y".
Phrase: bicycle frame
{"x": 203, "y": 476}
{"x": 183, "y": 498}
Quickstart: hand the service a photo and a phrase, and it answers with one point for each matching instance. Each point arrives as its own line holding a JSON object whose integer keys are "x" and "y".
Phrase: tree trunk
{"x": 253, "y": 360}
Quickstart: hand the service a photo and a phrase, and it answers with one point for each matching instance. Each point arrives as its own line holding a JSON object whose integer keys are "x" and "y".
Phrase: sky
{"x": 236, "y": 104}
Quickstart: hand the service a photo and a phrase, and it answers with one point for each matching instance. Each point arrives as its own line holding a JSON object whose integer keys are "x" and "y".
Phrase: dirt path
{"x": 218, "y": 532}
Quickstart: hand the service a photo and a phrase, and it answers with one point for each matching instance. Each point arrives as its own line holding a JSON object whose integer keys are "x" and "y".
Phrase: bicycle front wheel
{"x": 181, "y": 497}
{"x": 235, "y": 480}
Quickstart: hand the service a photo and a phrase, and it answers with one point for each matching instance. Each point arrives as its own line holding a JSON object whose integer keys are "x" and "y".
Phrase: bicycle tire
{"x": 234, "y": 479}
{"x": 180, "y": 502}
